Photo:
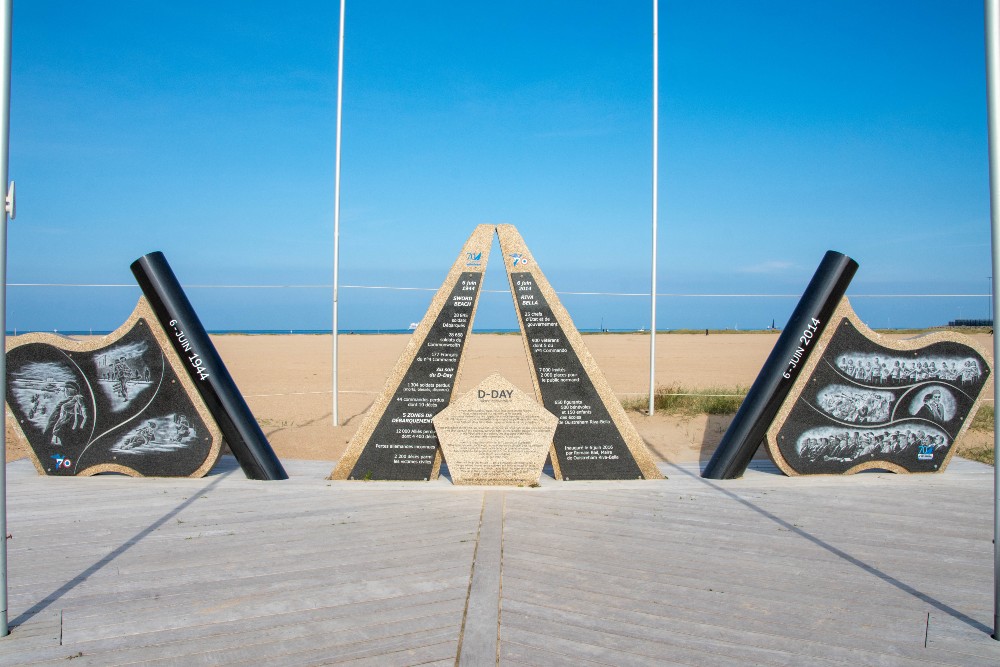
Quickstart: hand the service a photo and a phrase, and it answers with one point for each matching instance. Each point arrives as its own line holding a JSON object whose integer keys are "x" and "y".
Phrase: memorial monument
{"x": 594, "y": 438}
{"x": 865, "y": 402}
{"x": 396, "y": 439}
{"x": 150, "y": 399}
{"x": 835, "y": 397}
{"x": 114, "y": 404}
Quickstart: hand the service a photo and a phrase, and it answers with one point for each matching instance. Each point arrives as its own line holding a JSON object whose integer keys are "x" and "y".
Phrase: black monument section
{"x": 588, "y": 443}
{"x": 776, "y": 378}
{"x": 119, "y": 406}
{"x": 190, "y": 341}
{"x": 865, "y": 405}
{"x": 404, "y": 444}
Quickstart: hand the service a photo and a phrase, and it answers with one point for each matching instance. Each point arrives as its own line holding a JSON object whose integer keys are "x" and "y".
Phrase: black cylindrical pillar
{"x": 203, "y": 365}
{"x": 782, "y": 367}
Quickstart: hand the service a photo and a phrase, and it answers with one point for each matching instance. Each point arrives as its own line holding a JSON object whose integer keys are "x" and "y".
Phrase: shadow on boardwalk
{"x": 769, "y": 570}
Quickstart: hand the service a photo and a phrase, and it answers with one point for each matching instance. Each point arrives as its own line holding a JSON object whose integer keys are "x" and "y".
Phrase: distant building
{"x": 971, "y": 323}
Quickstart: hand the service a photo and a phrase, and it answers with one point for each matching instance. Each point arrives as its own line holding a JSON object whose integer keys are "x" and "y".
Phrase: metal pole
{"x": 336, "y": 212}
{"x": 5, "y": 35}
{"x": 992, "y": 8}
{"x": 656, "y": 137}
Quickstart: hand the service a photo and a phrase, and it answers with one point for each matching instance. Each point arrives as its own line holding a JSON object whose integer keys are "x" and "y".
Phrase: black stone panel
{"x": 403, "y": 444}
{"x": 587, "y": 441}
{"x": 865, "y": 403}
{"x": 120, "y": 405}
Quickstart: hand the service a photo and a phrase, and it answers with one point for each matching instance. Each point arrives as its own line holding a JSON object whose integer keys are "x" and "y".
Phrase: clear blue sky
{"x": 206, "y": 130}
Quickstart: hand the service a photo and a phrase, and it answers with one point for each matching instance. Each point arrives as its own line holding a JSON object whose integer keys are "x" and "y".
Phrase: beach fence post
{"x": 336, "y": 211}
{"x": 656, "y": 132}
{"x": 992, "y": 12}
{"x": 6, "y": 20}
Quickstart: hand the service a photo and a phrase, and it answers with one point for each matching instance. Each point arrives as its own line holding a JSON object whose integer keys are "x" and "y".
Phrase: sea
{"x": 306, "y": 332}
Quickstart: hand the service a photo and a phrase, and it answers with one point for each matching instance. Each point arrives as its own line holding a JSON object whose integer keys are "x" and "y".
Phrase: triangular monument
{"x": 594, "y": 438}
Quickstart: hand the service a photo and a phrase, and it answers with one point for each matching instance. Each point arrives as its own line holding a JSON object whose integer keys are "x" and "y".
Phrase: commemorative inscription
{"x": 495, "y": 435}
{"x": 403, "y": 445}
{"x": 864, "y": 402}
{"x": 587, "y": 442}
{"x": 594, "y": 438}
{"x": 397, "y": 439}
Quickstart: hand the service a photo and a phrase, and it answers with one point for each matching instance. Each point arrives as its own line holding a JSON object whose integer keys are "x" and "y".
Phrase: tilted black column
{"x": 777, "y": 376}
{"x": 203, "y": 365}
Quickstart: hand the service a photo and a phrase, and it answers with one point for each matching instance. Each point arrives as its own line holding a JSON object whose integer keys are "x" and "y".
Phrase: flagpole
{"x": 656, "y": 132}
{"x": 6, "y": 23}
{"x": 336, "y": 213}
{"x": 992, "y": 11}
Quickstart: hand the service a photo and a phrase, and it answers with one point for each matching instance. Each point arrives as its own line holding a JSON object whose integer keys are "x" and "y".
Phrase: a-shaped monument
{"x": 150, "y": 399}
{"x": 594, "y": 438}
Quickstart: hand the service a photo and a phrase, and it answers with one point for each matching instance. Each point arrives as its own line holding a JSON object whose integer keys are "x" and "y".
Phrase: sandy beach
{"x": 286, "y": 380}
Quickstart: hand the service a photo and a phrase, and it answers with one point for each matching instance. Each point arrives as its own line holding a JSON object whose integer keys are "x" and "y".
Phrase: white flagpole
{"x": 992, "y": 8}
{"x": 336, "y": 212}
{"x": 6, "y": 23}
{"x": 656, "y": 132}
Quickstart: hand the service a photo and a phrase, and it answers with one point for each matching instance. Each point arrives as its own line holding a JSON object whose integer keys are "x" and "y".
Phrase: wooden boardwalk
{"x": 875, "y": 569}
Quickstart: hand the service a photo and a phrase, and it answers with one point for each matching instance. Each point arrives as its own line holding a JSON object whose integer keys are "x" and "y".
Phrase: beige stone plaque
{"x": 496, "y": 435}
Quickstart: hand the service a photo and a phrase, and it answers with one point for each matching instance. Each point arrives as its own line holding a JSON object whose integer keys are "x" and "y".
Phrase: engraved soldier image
{"x": 121, "y": 374}
{"x": 144, "y": 436}
{"x": 68, "y": 416}
{"x": 182, "y": 426}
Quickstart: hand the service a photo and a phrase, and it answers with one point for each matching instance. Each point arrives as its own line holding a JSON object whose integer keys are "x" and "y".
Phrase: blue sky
{"x": 206, "y": 130}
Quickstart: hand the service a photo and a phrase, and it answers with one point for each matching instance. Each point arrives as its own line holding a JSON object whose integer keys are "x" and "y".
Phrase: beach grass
{"x": 983, "y": 422}
{"x": 678, "y": 400}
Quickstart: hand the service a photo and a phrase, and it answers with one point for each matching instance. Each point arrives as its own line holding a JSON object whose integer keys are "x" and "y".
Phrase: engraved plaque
{"x": 496, "y": 435}
{"x": 865, "y": 402}
{"x": 120, "y": 403}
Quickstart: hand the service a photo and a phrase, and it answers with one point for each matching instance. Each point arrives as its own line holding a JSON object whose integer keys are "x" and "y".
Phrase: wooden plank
{"x": 532, "y": 640}
{"x": 136, "y": 646}
{"x": 734, "y": 640}
{"x": 619, "y": 573}
{"x": 481, "y": 627}
{"x": 512, "y": 653}
{"x": 415, "y": 656}
{"x": 804, "y": 622}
